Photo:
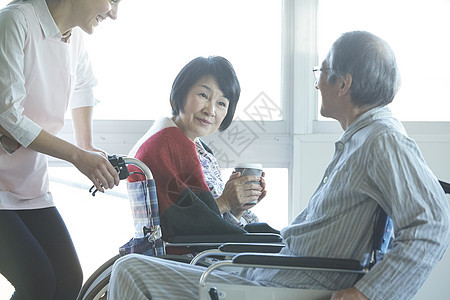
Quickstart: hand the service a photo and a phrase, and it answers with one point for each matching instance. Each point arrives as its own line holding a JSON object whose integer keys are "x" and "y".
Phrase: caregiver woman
{"x": 43, "y": 69}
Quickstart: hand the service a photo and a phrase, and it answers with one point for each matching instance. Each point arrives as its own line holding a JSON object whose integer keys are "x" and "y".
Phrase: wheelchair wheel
{"x": 100, "y": 290}
{"x": 97, "y": 284}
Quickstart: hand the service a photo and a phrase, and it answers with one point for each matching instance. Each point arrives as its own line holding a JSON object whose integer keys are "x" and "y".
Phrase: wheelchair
{"x": 147, "y": 224}
{"x": 263, "y": 257}
{"x": 257, "y": 251}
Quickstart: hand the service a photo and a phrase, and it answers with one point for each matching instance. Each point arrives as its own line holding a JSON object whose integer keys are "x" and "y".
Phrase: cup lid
{"x": 248, "y": 166}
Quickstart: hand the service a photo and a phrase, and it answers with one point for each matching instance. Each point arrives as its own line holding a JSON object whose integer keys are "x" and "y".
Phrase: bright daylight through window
{"x": 418, "y": 33}
{"x": 137, "y": 61}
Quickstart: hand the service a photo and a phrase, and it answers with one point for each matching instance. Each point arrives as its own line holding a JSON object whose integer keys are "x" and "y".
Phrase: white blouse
{"x": 39, "y": 76}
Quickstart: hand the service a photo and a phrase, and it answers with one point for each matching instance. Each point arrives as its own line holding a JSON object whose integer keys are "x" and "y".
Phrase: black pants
{"x": 37, "y": 255}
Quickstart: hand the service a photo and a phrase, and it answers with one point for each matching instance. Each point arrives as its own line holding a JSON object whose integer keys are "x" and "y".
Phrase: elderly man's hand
{"x": 348, "y": 294}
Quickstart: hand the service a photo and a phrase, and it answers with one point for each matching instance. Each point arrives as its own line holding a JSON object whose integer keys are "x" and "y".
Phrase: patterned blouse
{"x": 213, "y": 179}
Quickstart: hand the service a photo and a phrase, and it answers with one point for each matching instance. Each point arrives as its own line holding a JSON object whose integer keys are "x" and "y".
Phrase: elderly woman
{"x": 192, "y": 197}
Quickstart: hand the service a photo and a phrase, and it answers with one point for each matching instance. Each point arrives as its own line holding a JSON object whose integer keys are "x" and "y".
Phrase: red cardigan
{"x": 186, "y": 205}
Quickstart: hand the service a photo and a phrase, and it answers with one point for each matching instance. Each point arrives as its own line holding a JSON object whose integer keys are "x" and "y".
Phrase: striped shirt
{"x": 375, "y": 163}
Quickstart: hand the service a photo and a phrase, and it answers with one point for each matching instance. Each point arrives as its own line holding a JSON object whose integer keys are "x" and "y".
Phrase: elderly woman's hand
{"x": 238, "y": 192}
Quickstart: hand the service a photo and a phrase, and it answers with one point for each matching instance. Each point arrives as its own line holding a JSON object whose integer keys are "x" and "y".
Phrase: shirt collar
{"x": 48, "y": 25}
{"x": 365, "y": 119}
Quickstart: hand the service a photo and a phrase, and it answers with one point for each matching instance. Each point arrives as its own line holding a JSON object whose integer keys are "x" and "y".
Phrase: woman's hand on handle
{"x": 98, "y": 169}
{"x": 93, "y": 164}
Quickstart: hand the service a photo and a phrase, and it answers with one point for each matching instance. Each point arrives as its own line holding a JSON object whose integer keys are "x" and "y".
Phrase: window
{"x": 137, "y": 56}
{"x": 417, "y": 31}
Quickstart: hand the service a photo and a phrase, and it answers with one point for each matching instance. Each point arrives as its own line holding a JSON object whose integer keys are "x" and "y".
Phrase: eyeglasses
{"x": 318, "y": 70}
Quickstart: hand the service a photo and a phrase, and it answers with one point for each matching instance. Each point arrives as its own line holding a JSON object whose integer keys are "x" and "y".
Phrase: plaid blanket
{"x": 144, "y": 208}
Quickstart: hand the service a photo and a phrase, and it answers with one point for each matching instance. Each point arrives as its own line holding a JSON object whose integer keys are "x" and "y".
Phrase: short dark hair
{"x": 371, "y": 63}
{"x": 215, "y": 66}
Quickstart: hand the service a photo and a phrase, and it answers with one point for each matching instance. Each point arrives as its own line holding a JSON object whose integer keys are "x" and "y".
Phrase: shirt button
{"x": 325, "y": 179}
{"x": 340, "y": 146}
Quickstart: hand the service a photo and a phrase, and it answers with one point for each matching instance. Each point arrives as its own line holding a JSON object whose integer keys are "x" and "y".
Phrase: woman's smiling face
{"x": 205, "y": 107}
{"x": 91, "y": 12}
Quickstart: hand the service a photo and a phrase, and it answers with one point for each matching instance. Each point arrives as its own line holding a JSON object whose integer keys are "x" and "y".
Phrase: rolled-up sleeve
{"x": 83, "y": 94}
{"x": 13, "y": 29}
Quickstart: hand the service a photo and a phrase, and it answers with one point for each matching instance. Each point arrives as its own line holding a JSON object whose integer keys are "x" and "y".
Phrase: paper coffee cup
{"x": 249, "y": 169}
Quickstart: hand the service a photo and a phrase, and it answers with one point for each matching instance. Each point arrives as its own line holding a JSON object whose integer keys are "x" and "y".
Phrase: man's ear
{"x": 345, "y": 84}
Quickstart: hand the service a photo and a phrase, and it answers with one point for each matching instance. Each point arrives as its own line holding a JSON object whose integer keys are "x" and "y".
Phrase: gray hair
{"x": 371, "y": 63}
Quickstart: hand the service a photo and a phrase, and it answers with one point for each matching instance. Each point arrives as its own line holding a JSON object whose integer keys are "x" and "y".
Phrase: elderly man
{"x": 375, "y": 164}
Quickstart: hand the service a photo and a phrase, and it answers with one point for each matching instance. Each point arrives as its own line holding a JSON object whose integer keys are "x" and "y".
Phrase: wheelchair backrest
{"x": 382, "y": 236}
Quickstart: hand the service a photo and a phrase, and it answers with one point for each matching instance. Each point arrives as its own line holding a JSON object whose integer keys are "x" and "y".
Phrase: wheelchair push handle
{"x": 120, "y": 164}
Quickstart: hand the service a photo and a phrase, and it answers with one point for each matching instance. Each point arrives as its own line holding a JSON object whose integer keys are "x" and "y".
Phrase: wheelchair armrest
{"x": 260, "y": 228}
{"x": 445, "y": 186}
{"x": 298, "y": 261}
{"x": 226, "y": 238}
{"x": 277, "y": 261}
{"x": 231, "y": 249}
{"x": 251, "y": 247}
